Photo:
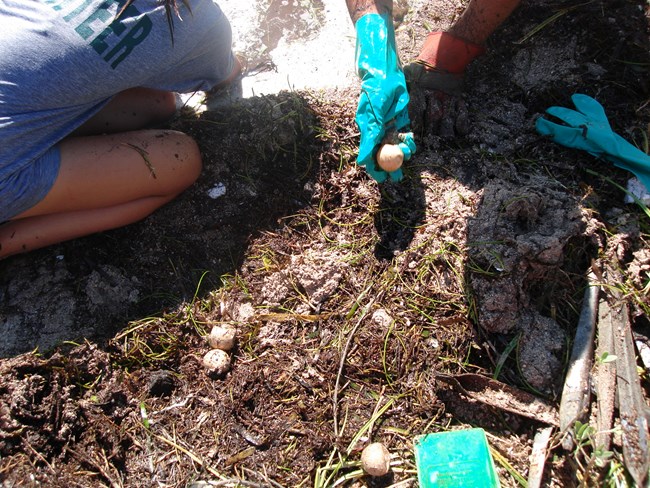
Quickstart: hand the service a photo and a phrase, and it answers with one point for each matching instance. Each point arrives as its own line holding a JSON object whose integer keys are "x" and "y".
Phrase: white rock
{"x": 217, "y": 191}
{"x": 381, "y": 318}
{"x": 638, "y": 189}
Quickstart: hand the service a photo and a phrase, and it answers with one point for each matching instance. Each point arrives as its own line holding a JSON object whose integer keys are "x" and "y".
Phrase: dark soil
{"x": 363, "y": 312}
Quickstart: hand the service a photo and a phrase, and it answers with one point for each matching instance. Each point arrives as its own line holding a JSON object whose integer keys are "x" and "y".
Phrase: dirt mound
{"x": 363, "y": 312}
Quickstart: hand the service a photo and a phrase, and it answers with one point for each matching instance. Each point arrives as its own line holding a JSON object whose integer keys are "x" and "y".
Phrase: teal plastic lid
{"x": 459, "y": 458}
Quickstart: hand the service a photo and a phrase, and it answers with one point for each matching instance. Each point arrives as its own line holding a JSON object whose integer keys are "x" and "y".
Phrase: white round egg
{"x": 216, "y": 362}
{"x": 375, "y": 459}
{"x": 390, "y": 157}
{"x": 222, "y": 337}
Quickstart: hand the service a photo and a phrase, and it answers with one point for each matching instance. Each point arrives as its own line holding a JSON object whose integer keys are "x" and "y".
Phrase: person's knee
{"x": 163, "y": 107}
{"x": 187, "y": 154}
{"x": 195, "y": 161}
{"x": 152, "y": 107}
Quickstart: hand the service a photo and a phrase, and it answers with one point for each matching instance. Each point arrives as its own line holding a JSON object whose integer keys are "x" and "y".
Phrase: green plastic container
{"x": 459, "y": 458}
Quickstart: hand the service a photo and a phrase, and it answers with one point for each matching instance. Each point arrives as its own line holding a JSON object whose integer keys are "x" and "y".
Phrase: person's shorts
{"x": 25, "y": 188}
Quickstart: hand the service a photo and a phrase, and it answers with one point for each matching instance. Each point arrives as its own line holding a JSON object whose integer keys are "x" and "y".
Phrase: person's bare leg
{"x": 481, "y": 18}
{"x": 105, "y": 182}
{"x": 131, "y": 109}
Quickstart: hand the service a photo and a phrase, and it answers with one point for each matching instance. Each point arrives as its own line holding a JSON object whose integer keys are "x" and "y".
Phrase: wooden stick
{"x": 575, "y": 395}
{"x": 631, "y": 404}
{"x": 605, "y": 378}
{"x": 538, "y": 457}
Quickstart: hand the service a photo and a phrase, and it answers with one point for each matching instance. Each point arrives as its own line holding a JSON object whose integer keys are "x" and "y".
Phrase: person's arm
{"x": 358, "y": 8}
{"x": 481, "y": 18}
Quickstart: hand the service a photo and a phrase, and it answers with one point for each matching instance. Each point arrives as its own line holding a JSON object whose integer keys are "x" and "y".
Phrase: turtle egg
{"x": 375, "y": 459}
{"x": 217, "y": 362}
{"x": 222, "y": 337}
{"x": 390, "y": 157}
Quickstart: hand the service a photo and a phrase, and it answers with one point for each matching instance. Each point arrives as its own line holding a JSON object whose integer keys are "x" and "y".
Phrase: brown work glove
{"x": 435, "y": 81}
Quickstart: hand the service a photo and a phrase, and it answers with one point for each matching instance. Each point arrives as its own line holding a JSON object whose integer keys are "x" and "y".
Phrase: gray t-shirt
{"x": 61, "y": 61}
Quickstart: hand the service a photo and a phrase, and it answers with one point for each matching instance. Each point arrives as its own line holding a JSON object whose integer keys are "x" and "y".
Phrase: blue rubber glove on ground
{"x": 384, "y": 98}
{"x": 588, "y": 129}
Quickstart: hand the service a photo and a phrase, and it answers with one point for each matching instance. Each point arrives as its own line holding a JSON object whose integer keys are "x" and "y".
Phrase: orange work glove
{"x": 436, "y": 77}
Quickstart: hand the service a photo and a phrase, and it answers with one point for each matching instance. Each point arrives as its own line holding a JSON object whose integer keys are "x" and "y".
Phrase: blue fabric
{"x": 25, "y": 188}
{"x": 587, "y": 128}
{"x": 61, "y": 61}
{"x": 383, "y": 103}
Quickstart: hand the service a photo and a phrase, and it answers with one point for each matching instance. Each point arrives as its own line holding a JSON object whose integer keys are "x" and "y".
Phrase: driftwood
{"x": 575, "y": 394}
{"x": 605, "y": 378}
{"x": 496, "y": 394}
{"x": 631, "y": 405}
{"x": 538, "y": 457}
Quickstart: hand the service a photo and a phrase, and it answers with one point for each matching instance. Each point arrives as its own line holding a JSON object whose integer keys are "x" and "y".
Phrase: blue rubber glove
{"x": 384, "y": 98}
{"x": 407, "y": 144}
{"x": 588, "y": 129}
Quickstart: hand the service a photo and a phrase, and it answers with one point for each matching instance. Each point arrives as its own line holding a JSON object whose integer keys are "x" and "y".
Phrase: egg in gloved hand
{"x": 390, "y": 157}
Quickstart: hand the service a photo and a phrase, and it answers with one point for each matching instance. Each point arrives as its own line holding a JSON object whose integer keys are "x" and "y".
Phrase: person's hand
{"x": 588, "y": 129}
{"x": 437, "y": 106}
{"x": 383, "y": 102}
{"x": 435, "y": 81}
